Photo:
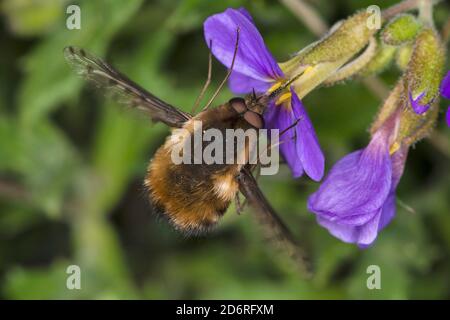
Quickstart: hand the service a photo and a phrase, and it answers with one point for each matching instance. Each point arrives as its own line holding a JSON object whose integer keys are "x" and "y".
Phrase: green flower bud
{"x": 346, "y": 40}
{"x": 355, "y": 65}
{"x": 414, "y": 127}
{"x": 403, "y": 56}
{"x": 381, "y": 60}
{"x": 323, "y": 58}
{"x": 420, "y": 92}
{"x": 424, "y": 71}
{"x": 410, "y": 126}
{"x": 400, "y": 30}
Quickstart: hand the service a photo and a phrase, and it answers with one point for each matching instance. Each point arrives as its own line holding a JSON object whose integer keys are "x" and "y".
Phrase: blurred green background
{"x": 72, "y": 165}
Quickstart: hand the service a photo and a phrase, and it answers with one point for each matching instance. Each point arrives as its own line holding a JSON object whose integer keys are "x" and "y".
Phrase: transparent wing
{"x": 271, "y": 222}
{"x": 106, "y": 77}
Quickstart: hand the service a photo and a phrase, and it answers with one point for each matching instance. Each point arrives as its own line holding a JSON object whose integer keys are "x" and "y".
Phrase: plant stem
{"x": 308, "y": 15}
{"x": 401, "y": 7}
{"x": 318, "y": 26}
{"x": 426, "y": 12}
{"x": 407, "y": 5}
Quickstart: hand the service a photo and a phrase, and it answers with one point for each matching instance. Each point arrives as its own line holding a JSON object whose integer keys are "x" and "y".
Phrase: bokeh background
{"x": 72, "y": 165}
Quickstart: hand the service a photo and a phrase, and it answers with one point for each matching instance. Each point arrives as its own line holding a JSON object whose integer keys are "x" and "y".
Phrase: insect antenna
{"x": 236, "y": 47}
{"x": 272, "y": 145}
{"x": 208, "y": 80}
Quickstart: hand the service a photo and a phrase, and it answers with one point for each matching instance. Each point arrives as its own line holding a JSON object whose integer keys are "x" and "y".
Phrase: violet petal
{"x": 358, "y": 184}
{"x": 242, "y": 84}
{"x": 398, "y": 160}
{"x": 280, "y": 117}
{"x": 363, "y": 235}
{"x": 388, "y": 212}
{"x": 445, "y": 86}
{"x": 253, "y": 59}
{"x": 416, "y": 105}
{"x": 308, "y": 148}
{"x": 246, "y": 14}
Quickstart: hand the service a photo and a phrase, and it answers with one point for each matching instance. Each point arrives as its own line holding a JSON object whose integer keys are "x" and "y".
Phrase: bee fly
{"x": 195, "y": 196}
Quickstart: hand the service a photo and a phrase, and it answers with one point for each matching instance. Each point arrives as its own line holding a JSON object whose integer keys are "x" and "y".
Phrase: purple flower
{"x": 445, "y": 92}
{"x": 357, "y": 198}
{"x": 445, "y": 86}
{"x": 417, "y": 106}
{"x": 256, "y": 69}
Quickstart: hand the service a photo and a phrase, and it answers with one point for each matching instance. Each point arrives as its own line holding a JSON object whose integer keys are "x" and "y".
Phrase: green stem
{"x": 401, "y": 7}
{"x": 426, "y": 12}
{"x": 408, "y": 5}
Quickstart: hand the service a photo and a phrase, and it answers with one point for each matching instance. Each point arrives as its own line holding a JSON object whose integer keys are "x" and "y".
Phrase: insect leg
{"x": 208, "y": 80}
{"x": 269, "y": 147}
{"x": 239, "y": 207}
{"x": 228, "y": 73}
{"x": 273, "y": 225}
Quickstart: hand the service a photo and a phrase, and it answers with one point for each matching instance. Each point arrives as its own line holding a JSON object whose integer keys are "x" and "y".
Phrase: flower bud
{"x": 411, "y": 127}
{"x": 381, "y": 60}
{"x": 355, "y": 65}
{"x": 319, "y": 61}
{"x": 414, "y": 127}
{"x": 345, "y": 41}
{"x": 424, "y": 71}
{"x": 400, "y": 30}
{"x": 403, "y": 56}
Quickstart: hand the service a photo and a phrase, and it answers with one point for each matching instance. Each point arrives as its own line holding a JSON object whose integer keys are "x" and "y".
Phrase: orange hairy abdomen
{"x": 192, "y": 196}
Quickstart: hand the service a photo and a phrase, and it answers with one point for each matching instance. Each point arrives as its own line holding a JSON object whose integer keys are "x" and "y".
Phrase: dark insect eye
{"x": 238, "y": 104}
{"x": 254, "y": 119}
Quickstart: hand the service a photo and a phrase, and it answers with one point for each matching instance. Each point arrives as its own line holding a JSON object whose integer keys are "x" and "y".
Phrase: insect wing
{"x": 106, "y": 77}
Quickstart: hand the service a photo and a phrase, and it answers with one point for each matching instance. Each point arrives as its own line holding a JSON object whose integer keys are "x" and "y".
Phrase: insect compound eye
{"x": 254, "y": 119}
{"x": 238, "y": 104}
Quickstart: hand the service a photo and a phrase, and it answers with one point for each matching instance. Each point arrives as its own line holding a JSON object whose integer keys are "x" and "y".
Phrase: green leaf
{"x": 31, "y": 18}
{"x": 43, "y": 160}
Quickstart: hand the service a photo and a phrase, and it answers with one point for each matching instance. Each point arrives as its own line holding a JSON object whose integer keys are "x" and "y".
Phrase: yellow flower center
{"x": 394, "y": 147}
{"x": 284, "y": 97}
{"x": 275, "y": 86}
{"x": 308, "y": 69}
